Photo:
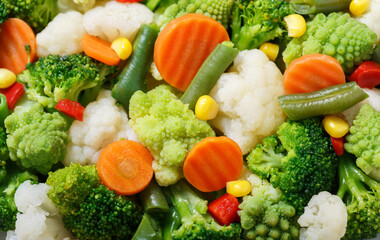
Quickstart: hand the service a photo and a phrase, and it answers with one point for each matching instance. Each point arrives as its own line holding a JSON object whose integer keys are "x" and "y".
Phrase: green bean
{"x": 319, "y": 6}
{"x": 376, "y": 54}
{"x": 329, "y": 100}
{"x": 149, "y": 229}
{"x": 4, "y": 112}
{"x": 153, "y": 199}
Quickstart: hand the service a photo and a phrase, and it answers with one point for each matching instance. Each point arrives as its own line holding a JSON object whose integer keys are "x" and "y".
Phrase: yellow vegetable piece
{"x": 7, "y": 78}
{"x": 206, "y": 108}
{"x": 271, "y": 50}
{"x": 122, "y": 47}
{"x": 238, "y": 188}
{"x": 296, "y": 25}
{"x": 335, "y": 126}
{"x": 358, "y": 7}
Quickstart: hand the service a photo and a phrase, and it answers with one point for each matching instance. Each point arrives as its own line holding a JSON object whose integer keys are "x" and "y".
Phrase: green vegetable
{"x": 167, "y": 128}
{"x": 4, "y": 13}
{"x": 153, "y": 199}
{"x": 319, "y": 6}
{"x": 36, "y": 139}
{"x": 103, "y": 215}
{"x": 376, "y": 54}
{"x": 361, "y": 195}
{"x": 300, "y": 160}
{"x": 53, "y": 78}
{"x": 329, "y": 100}
{"x": 334, "y": 35}
{"x": 132, "y": 77}
{"x": 149, "y": 229}
{"x": 4, "y": 112}
{"x": 209, "y": 73}
{"x": 257, "y": 22}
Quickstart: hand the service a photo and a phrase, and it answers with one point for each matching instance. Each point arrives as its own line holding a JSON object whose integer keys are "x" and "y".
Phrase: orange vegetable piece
{"x": 99, "y": 49}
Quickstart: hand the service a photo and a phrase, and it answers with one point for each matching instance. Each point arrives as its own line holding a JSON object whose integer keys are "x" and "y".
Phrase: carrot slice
{"x": 99, "y": 49}
{"x": 125, "y": 166}
{"x": 14, "y": 35}
{"x": 183, "y": 45}
{"x": 312, "y": 72}
{"x": 212, "y": 162}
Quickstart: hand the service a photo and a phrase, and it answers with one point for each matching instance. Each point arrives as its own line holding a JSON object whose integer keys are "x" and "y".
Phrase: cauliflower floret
{"x": 372, "y": 18}
{"x": 39, "y": 218}
{"x": 116, "y": 19}
{"x": 103, "y": 123}
{"x": 325, "y": 218}
{"x": 62, "y": 36}
{"x": 78, "y": 5}
{"x": 247, "y": 99}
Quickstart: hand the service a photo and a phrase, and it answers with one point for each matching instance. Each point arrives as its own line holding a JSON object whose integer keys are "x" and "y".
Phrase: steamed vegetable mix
{"x": 189, "y": 119}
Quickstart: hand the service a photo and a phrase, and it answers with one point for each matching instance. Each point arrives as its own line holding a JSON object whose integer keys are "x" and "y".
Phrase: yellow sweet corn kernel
{"x": 358, "y": 7}
{"x": 7, "y": 78}
{"x": 271, "y": 50}
{"x": 296, "y": 25}
{"x": 238, "y": 188}
{"x": 206, "y": 108}
{"x": 122, "y": 47}
{"x": 335, "y": 126}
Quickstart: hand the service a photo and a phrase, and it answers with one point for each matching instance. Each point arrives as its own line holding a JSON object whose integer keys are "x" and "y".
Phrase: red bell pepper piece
{"x": 225, "y": 209}
{"x": 70, "y": 108}
{"x": 13, "y": 94}
{"x": 367, "y": 75}
{"x": 338, "y": 145}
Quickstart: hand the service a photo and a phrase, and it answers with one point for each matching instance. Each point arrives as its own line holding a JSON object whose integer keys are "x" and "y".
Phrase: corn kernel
{"x": 238, "y": 188}
{"x": 271, "y": 50}
{"x": 122, "y": 47}
{"x": 206, "y": 108}
{"x": 7, "y": 78}
{"x": 335, "y": 126}
{"x": 358, "y": 7}
{"x": 296, "y": 25}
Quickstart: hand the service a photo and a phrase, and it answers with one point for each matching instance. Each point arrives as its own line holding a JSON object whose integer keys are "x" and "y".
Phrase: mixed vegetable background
{"x": 190, "y": 119}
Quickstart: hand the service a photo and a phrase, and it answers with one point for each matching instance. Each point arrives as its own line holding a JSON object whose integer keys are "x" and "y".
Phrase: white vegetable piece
{"x": 372, "y": 18}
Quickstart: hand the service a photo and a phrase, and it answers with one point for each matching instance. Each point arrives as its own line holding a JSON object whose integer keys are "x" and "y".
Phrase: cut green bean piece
{"x": 4, "y": 112}
{"x": 376, "y": 54}
{"x": 153, "y": 199}
{"x": 149, "y": 229}
{"x": 319, "y": 6}
{"x": 329, "y": 100}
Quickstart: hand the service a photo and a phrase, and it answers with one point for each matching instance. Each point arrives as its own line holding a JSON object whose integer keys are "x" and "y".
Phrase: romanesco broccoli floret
{"x": 36, "y": 139}
{"x": 361, "y": 194}
{"x": 337, "y": 35}
{"x": 103, "y": 215}
{"x": 53, "y": 78}
{"x": 71, "y": 185}
{"x": 220, "y": 10}
{"x": 167, "y": 128}
{"x": 364, "y": 139}
{"x": 256, "y": 22}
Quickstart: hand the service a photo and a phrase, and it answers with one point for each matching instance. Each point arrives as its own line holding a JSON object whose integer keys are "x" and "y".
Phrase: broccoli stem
{"x": 172, "y": 221}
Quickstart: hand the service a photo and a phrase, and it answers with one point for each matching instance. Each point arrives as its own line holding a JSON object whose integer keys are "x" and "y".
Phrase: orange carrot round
{"x": 14, "y": 35}
{"x": 212, "y": 162}
{"x": 125, "y": 166}
{"x": 99, "y": 49}
{"x": 311, "y": 73}
{"x": 183, "y": 45}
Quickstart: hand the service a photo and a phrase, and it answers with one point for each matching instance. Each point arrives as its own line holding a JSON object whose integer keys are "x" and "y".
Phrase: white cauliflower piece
{"x": 38, "y": 217}
{"x": 325, "y": 218}
{"x": 78, "y": 5}
{"x": 103, "y": 123}
{"x": 116, "y": 19}
{"x": 247, "y": 99}
{"x": 62, "y": 36}
{"x": 372, "y": 18}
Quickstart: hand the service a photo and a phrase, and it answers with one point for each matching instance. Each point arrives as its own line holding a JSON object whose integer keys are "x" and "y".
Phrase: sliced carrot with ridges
{"x": 99, "y": 49}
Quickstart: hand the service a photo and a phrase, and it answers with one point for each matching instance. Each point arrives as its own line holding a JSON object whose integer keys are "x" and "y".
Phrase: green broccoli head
{"x": 364, "y": 139}
{"x": 103, "y": 215}
{"x": 361, "y": 195}
{"x": 53, "y": 78}
{"x": 71, "y": 185}
{"x": 36, "y": 139}
{"x": 167, "y": 128}
{"x": 4, "y": 12}
{"x": 338, "y": 35}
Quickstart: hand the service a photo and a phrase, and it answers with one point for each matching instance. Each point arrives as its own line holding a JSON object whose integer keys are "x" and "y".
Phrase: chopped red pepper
{"x": 367, "y": 75}
{"x": 13, "y": 94}
{"x": 70, "y": 108}
{"x": 338, "y": 145}
{"x": 225, "y": 209}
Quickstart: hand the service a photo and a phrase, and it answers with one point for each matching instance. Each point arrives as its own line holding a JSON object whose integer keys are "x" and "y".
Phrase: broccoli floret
{"x": 167, "y": 128}
{"x": 37, "y": 13}
{"x": 361, "y": 195}
{"x": 53, "y": 78}
{"x": 12, "y": 179}
{"x": 36, "y": 139}
{"x": 103, "y": 215}
{"x": 196, "y": 223}
{"x": 308, "y": 166}
{"x": 71, "y": 185}
{"x": 4, "y": 12}
{"x": 264, "y": 215}
{"x": 220, "y": 10}
{"x": 338, "y": 35}
{"x": 256, "y": 22}
{"x": 364, "y": 139}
